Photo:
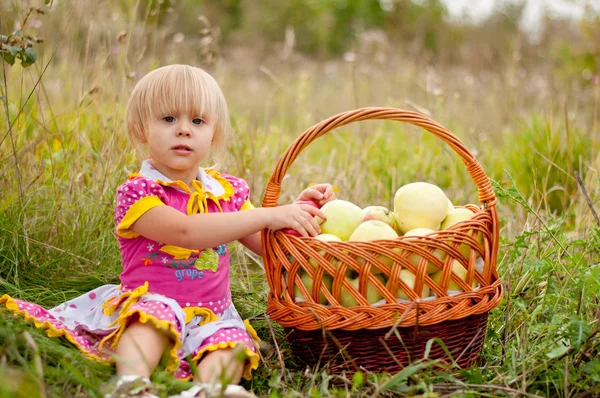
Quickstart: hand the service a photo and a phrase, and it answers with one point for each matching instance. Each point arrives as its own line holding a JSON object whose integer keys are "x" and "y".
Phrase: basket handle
{"x": 273, "y": 188}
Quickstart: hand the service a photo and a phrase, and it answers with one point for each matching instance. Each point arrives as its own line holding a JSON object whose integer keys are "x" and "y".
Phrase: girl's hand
{"x": 299, "y": 217}
{"x": 320, "y": 194}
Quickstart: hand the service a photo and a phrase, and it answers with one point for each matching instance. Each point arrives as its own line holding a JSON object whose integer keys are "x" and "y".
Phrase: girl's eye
{"x": 197, "y": 121}
{"x": 169, "y": 119}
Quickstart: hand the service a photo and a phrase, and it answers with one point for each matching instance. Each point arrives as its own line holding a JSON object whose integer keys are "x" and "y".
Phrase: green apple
{"x": 325, "y": 238}
{"x": 459, "y": 271}
{"x": 437, "y": 253}
{"x": 308, "y": 283}
{"x": 373, "y": 295}
{"x": 419, "y": 205}
{"x": 342, "y": 218}
{"x": 409, "y": 279}
{"x": 374, "y": 230}
{"x": 380, "y": 213}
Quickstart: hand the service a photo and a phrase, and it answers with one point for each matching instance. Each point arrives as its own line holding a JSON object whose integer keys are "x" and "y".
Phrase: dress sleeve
{"x": 134, "y": 198}
{"x": 241, "y": 193}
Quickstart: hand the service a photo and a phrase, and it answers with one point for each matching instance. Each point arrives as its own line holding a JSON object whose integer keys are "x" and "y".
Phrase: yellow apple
{"x": 450, "y": 205}
{"x": 419, "y": 205}
{"x": 409, "y": 279}
{"x": 308, "y": 283}
{"x": 459, "y": 271}
{"x": 380, "y": 213}
{"x": 373, "y": 295}
{"x": 455, "y": 216}
{"x": 324, "y": 238}
{"x": 374, "y": 230}
{"x": 342, "y": 218}
{"x": 415, "y": 258}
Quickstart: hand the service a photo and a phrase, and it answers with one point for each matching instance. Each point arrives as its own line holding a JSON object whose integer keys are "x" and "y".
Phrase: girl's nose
{"x": 184, "y": 132}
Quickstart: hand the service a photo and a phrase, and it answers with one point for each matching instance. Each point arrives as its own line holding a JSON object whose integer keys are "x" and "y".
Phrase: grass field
{"x": 64, "y": 152}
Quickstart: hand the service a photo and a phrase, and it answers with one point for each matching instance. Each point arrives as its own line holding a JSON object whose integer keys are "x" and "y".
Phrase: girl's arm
{"x": 200, "y": 231}
{"x": 320, "y": 194}
{"x": 253, "y": 242}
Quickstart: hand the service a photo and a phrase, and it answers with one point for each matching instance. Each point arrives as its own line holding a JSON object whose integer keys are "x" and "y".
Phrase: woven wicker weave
{"x": 285, "y": 256}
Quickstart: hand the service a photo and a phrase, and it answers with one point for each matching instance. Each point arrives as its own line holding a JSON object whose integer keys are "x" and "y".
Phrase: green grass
{"x": 71, "y": 151}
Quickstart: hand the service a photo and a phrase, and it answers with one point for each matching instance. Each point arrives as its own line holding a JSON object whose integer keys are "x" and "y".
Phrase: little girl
{"x": 173, "y": 221}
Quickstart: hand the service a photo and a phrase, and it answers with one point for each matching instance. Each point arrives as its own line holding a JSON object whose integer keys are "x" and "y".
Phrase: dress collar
{"x": 211, "y": 181}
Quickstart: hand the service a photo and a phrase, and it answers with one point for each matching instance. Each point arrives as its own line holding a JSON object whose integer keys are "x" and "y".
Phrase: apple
{"x": 374, "y": 230}
{"x": 373, "y": 295}
{"x": 380, "y": 213}
{"x": 409, "y": 279}
{"x": 479, "y": 263}
{"x": 293, "y": 232}
{"x": 450, "y": 205}
{"x": 437, "y": 253}
{"x": 419, "y": 205}
{"x": 455, "y": 216}
{"x": 342, "y": 218}
{"x": 308, "y": 283}
{"x": 324, "y": 238}
{"x": 458, "y": 270}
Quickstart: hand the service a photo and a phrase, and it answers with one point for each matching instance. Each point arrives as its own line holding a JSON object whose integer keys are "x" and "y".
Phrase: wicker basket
{"x": 386, "y": 336}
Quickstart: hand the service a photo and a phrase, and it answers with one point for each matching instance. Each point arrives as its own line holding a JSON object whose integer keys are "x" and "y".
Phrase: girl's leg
{"x": 218, "y": 364}
{"x": 140, "y": 348}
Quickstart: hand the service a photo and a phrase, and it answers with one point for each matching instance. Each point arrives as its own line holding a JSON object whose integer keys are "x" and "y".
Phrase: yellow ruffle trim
{"x": 252, "y": 356}
{"x": 160, "y": 325}
{"x": 229, "y": 191}
{"x": 51, "y": 331}
{"x": 134, "y": 212}
{"x": 122, "y": 321}
{"x": 251, "y": 332}
{"x": 227, "y": 187}
{"x": 247, "y": 205}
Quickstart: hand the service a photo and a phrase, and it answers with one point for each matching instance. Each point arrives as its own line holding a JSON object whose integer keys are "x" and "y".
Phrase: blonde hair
{"x": 175, "y": 88}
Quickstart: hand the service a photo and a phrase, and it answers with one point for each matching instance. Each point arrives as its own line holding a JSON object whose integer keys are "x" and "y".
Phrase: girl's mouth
{"x": 182, "y": 149}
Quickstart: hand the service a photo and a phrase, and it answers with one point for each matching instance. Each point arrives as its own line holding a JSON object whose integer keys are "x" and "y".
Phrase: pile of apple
{"x": 420, "y": 209}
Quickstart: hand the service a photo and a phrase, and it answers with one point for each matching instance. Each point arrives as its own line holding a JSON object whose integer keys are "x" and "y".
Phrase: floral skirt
{"x": 95, "y": 321}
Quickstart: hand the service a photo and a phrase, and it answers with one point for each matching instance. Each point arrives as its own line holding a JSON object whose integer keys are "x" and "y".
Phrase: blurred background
{"x": 517, "y": 81}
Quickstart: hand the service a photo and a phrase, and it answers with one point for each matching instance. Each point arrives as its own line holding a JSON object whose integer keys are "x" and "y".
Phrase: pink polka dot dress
{"x": 186, "y": 293}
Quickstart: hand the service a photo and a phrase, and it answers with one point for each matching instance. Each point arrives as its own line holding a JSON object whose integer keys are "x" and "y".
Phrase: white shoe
{"x": 215, "y": 390}
{"x": 131, "y": 386}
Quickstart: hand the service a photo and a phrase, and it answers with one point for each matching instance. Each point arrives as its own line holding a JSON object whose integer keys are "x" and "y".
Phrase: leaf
{"x": 9, "y": 58}
{"x": 473, "y": 376}
{"x": 579, "y": 331}
{"x": 592, "y": 367}
{"x": 558, "y": 351}
{"x": 404, "y": 374}
{"x": 13, "y": 50}
{"x": 429, "y": 345}
{"x": 28, "y": 57}
{"x": 358, "y": 380}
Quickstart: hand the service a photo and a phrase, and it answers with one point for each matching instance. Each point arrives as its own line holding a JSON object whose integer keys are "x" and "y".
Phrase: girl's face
{"x": 178, "y": 143}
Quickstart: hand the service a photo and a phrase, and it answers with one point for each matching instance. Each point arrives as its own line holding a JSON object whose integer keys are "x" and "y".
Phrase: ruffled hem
{"x": 50, "y": 329}
{"x": 121, "y": 323}
{"x": 161, "y": 325}
{"x": 252, "y": 356}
